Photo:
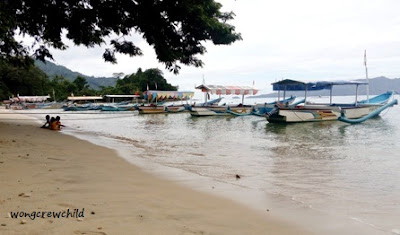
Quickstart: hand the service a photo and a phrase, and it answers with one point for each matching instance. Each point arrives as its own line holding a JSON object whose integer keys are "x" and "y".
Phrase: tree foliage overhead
{"x": 176, "y": 29}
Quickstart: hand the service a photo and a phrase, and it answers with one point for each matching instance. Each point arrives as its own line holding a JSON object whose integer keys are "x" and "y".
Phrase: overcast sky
{"x": 304, "y": 40}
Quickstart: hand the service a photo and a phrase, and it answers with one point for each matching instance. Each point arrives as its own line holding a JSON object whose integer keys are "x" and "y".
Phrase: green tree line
{"x": 31, "y": 81}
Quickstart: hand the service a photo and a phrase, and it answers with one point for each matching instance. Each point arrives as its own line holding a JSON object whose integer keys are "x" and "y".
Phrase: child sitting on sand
{"x": 47, "y": 124}
{"x": 56, "y": 124}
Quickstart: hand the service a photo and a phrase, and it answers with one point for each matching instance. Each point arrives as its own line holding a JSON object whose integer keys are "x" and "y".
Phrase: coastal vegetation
{"x": 31, "y": 80}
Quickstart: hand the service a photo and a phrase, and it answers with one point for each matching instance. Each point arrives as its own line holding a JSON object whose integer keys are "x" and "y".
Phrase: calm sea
{"x": 351, "y": 172}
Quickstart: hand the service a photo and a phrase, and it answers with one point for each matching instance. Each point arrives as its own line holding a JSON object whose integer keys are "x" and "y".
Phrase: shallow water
{"x": 351, "y": 171}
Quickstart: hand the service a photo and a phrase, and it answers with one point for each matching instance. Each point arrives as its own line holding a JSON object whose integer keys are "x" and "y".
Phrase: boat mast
{"x": 206, "y": 92}
{"x": 305, "y": 94}
{"x": 366, "y": 74}
{"x": 284, "y": 93}
{"x": 357, "y": 94}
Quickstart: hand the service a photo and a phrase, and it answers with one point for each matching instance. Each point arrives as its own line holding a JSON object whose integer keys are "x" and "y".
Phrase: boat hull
{"x": 151, "y": 109}
{"x": 111, "y": 108}
{"x": 219, "y": 111}
{"x": 175, "y": 109}
{"x": 319, "y": 113}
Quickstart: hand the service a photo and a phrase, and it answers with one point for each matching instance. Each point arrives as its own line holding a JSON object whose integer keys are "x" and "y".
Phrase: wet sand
{"x": 43, "y": 170}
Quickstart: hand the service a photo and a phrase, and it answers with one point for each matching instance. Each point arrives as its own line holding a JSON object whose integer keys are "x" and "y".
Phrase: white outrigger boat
{"x": 311, "y": 112}
{"x": 223, "y": 110}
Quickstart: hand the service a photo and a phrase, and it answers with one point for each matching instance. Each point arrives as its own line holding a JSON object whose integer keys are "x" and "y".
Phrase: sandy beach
{"x": 47, "y": 171}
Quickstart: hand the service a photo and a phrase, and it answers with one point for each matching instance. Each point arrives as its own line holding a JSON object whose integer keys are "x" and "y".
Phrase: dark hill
{"x": 52, "y": 69}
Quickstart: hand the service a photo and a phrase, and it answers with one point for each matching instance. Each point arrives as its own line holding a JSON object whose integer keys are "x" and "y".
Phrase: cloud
{"x": 308, "y": 40}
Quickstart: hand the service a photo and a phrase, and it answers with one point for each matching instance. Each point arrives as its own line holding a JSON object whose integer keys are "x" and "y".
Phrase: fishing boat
{"x": 126, "y": 105}
{"x": 82, "y": 103}
{"x": 151, "y": 109}
{"x": 223, "y": 110}
{"x": 262, "y": 109}
{"x": 28, "y": 102}
{"x": 314, "y": 112}
{"x": 156, "y": 97}
{"x": 175, "y": 108}
{"x": 119, "y": 107}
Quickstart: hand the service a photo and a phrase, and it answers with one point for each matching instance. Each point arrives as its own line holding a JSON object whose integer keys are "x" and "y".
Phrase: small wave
{"x": 296, "y": 200}
{"x": 396, "y": 231}
{"x": 369, "y": 224}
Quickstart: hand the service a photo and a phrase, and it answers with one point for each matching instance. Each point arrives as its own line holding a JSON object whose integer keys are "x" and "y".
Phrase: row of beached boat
{"x": 287, "y": 110}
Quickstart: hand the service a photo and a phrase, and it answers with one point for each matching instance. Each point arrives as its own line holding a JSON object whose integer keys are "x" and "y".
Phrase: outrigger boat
{"x": 119, "y": 107}
{"x": 126, "y": 105}
{"x": 154, "y": 96}
{"x": 73, "y": 106}
{"x": 263, "y": 109}
{"x": 223, "y": 110}
{"x": 312, "y": 112}
{"x": 28, "y": 102}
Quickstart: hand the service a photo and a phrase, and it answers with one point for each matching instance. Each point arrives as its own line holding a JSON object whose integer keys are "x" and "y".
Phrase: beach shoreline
{"x": 43, "y": 170}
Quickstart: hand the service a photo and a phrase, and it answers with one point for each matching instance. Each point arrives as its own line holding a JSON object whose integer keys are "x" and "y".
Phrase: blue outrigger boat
{"x": 356, "y": 112}
{"x": 89, "y": 103}
{"x": 262, "y": 109}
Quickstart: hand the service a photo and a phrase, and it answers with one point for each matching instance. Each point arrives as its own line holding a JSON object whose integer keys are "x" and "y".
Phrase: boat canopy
{"x": 227, "y": 90}
{"x": 30, "y": 98}
{"x": 122, "y": 96}
{"x": 292, "y": 85}
{"x": 155, "y": 94}
{"x": 76, "y": 98}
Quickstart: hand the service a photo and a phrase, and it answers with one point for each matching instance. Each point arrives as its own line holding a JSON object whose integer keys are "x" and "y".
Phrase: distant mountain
{"x": 377, "y": 86}
{"x": 52, "y": 69}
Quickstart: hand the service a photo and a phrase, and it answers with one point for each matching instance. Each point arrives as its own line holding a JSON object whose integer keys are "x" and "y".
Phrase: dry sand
{"x": 43, "y": 170}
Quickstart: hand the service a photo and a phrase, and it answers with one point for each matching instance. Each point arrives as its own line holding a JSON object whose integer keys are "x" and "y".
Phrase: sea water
{"x": 349, "y": 171}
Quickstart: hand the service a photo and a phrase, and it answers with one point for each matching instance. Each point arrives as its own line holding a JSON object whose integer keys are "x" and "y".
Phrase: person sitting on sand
{"x": 56, "y": 124}
{"x": 47, "y": 124}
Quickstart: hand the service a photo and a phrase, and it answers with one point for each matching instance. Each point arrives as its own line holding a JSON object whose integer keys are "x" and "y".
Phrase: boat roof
{"x": 227, "y": 90}
{"x": 293, "y": 85}
{"x": 30, "y": 98}
{"x": 170, "y": 94}
{"x": 122, "y": 96}
{"x": 85, "y": 98}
